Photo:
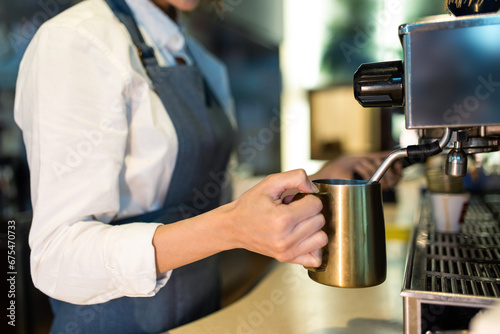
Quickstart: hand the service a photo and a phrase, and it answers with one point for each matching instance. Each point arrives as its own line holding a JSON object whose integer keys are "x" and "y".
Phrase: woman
{"x": 128, "y": 129}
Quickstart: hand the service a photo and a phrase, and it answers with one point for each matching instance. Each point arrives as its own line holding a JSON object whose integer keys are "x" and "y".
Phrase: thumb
{"x": 277, "y": 184}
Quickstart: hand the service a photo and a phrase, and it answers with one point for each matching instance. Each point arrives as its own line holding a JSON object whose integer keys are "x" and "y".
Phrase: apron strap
{"x": 125, "y": 15}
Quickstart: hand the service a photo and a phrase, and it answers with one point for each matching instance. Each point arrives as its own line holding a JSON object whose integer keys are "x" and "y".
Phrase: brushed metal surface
{"x": 459, "y": 271}
{"x": 452, "y": 77}
{"x": 355, "y": 256}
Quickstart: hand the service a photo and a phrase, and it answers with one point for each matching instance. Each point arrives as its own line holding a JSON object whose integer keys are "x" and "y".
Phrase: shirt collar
{"x": 163, "y": 30}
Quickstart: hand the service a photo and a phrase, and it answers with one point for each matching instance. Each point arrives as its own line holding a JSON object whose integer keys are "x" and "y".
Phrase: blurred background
{"x": 291, "y": 65}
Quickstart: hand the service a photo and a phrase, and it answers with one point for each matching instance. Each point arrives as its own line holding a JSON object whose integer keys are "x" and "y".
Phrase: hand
{"x": 290, "y": 232}
{"x": 346, "y": 166}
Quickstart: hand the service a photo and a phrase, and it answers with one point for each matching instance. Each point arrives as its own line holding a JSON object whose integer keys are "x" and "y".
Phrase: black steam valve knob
{"x": 472, "y": 7}
{"x": 380, "y": 84}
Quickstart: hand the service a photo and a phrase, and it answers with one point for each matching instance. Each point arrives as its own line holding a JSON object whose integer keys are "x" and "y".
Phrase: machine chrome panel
{"x": 452, "y": 72}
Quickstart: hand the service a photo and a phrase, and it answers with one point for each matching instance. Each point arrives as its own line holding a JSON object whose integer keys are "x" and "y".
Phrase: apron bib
{"x": 205, "y": 138}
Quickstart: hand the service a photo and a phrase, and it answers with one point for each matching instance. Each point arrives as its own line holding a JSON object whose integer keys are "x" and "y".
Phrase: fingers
{"x": 392, "y": 176}
{"x": 366, "y": 167}
{"x": 288, "y": 199}
{"x": 304, "y": 237}
{"x": 288, "y": 231}
{"x": 309, "y": 238}
{"x": 311, "y": 259}
{"x": 303, "y": 209}
{"x": 275, "y": 185}
{"x": 307, "y": 252}
{"x": 309, "y": 248}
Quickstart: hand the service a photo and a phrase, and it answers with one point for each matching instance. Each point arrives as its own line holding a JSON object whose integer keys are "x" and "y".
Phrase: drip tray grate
{"x": 467, "y": 263}
{"x": 455, "y": 271}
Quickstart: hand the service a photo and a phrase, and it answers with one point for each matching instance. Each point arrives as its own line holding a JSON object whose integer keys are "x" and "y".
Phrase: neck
{"x": 168, "y": 9}
{"x": 172, "y": 13}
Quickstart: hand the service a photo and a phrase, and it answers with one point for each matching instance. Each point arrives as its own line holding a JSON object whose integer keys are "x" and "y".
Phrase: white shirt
{"x": 100, "y": 146}
{"x": 166, "y": 35}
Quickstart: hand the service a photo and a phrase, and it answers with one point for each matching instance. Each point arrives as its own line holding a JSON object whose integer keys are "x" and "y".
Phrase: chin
{"x": 185, "y": 5}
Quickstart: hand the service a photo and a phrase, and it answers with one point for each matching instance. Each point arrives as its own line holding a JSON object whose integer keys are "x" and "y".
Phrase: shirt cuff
{"x": 130, "y": 259}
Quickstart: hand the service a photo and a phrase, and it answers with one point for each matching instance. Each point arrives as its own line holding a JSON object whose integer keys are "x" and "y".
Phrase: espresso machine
{"x": 449, "y": 87}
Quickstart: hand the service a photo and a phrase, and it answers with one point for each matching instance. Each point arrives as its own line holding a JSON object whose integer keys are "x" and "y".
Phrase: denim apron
{"x": 205, "y": 138}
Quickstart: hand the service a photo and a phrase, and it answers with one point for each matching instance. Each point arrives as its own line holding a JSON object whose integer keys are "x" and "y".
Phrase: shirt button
{"x": 175, "y": 41}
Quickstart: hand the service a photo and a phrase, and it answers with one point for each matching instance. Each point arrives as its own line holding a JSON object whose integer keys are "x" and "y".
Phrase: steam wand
{"x": 413, "y": 152}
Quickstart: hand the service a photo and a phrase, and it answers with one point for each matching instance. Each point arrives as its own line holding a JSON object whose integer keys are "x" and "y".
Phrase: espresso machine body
{"x": 452, "y": 72}
{"x": 449, "y": 79}
{"x": 449, "y": 87}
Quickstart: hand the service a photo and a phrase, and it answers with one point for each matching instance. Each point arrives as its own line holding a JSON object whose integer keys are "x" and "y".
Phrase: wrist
{"x": 224, "y": 225}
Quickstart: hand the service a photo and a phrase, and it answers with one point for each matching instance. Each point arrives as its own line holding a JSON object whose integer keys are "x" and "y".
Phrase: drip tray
{"x": 451, "y": 277}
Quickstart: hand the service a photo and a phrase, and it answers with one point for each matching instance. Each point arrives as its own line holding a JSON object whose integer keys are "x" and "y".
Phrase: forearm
{"x": 193, "y": 239}
{"x": 258, "y": 221}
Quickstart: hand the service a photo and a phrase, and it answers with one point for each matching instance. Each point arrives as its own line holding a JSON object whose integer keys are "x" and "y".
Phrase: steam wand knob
{"x": 379, "y": 84}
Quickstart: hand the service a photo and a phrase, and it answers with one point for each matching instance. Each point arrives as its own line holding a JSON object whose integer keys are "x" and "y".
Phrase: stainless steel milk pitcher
{"x": 355, "y": 255}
